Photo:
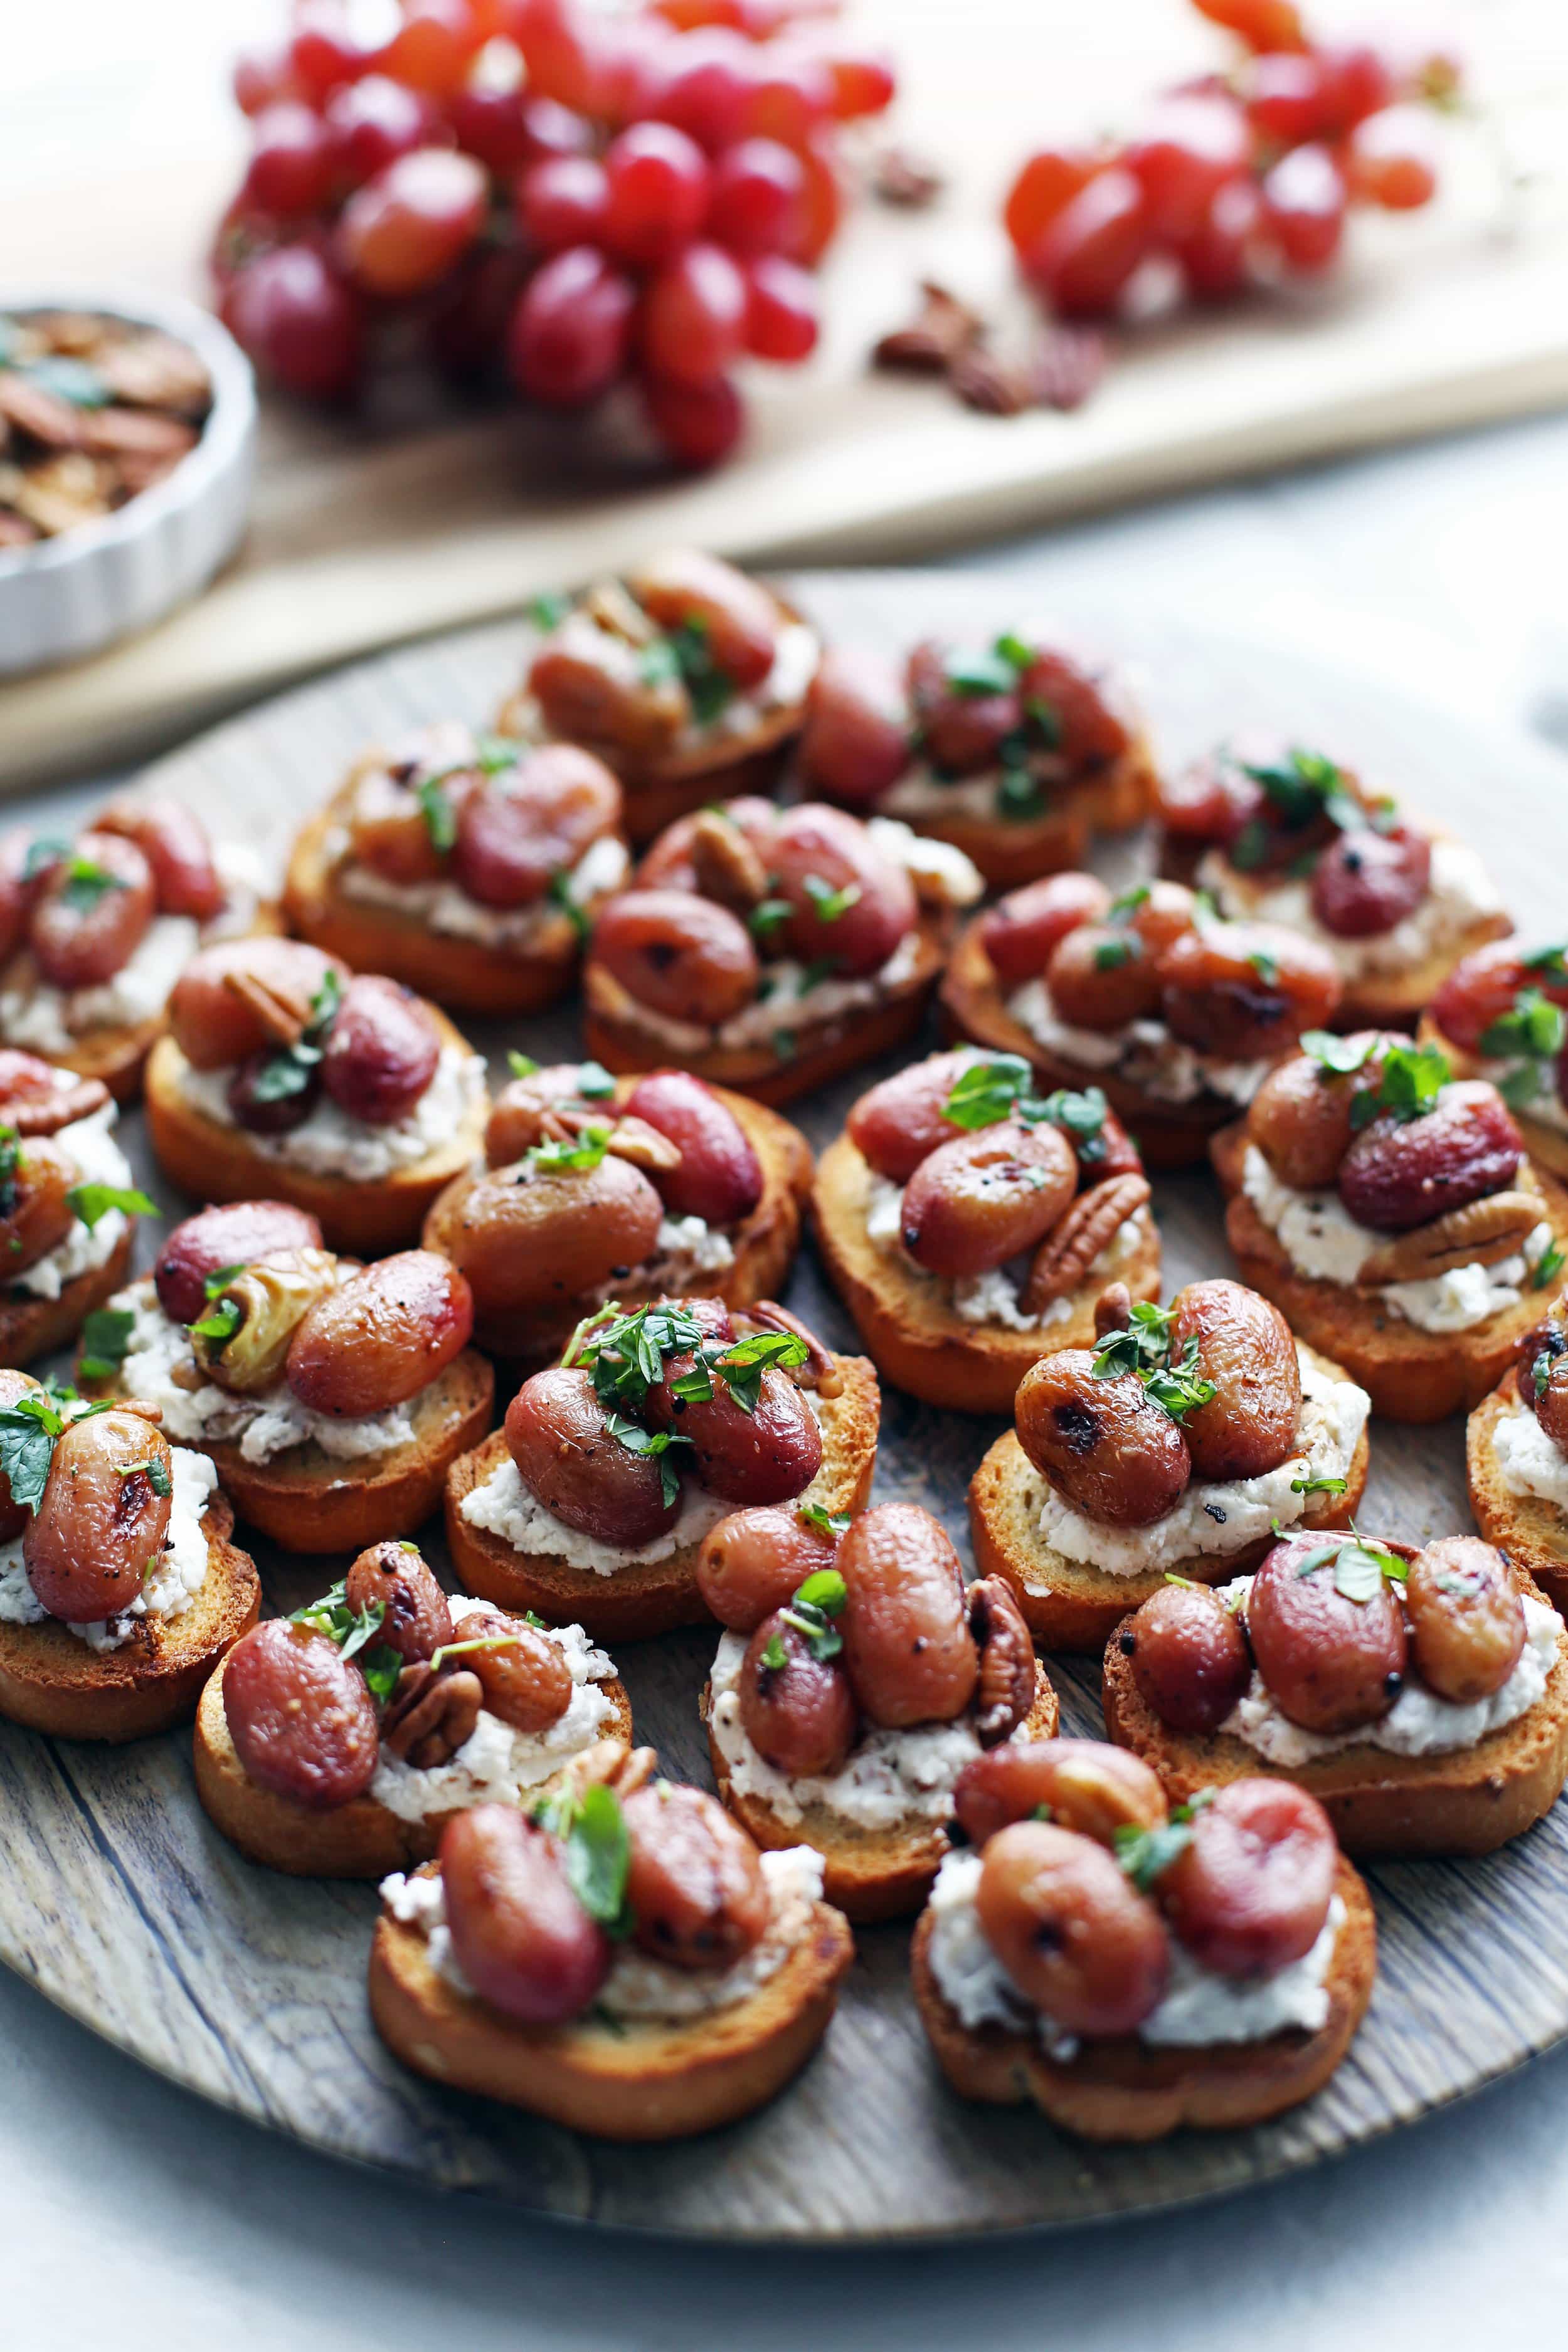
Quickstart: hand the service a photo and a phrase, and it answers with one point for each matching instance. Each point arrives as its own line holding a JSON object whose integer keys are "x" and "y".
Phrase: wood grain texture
{"x": 124, "y": 1904}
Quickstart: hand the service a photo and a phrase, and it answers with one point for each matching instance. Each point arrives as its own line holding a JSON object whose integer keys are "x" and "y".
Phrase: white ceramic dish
{"x": 71, "y": 596}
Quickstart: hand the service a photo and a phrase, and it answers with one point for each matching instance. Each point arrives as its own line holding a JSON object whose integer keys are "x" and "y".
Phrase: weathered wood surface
{"x": 123, "y": 1905}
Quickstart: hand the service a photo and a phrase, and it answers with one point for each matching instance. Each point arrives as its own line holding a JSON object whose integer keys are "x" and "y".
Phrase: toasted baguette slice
{"x": 1547, "y": 1145}
{"x": 1410, "y": 1375}
{"x": 213, "y": 1162}
{"x": 629, "y": 2080}
{"x": 918, "y": 1339}
{"x": 359, "y": 1840}
{"x": 33, "y": 1327}
{"x": 1122, "y": 2089}
{"x": 1010, "y": 850}
{"x": 615, "y": 1029}
{"x": 1466, "y": 1803}
{"x": 1530, "y": 1530}
{"x": 648, "y": 1596}
{"x": 764, "y": 1242}
{"x": 1169, "y": 1135}
{"x": 1070, "y": 1605}
{"x": 870, "y": 1874}
{"x": 52, "y": 1682}
{"x": 471, "y": 975}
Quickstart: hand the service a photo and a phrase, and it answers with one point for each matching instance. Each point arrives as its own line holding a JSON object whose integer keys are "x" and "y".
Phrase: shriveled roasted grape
{"x": 1367, "y": 881}
{"x": 1330, "y": 1664}
{"x": 235, "y": 1233}
{"x": 695, "y": 1884}
{"x": 962, "y": 732}
{"x": 393, "y": 1577}
{"x": 1398, "y": 1174}
{"x": 40, "y": 1215}
{"x": 1189, "y": 1656}
{"x": 910, "y": 1655}
{"x": 520, "y": 828}
{"x": 767, "y": 1454}
{"x": 1245, "y": 992}
{"x": 1300, "y": 1118}
{"x": 522, "y": 1673}
{"x": 855, "y": 744}
{"x": 246, "y": 996}
{"x": 1251, "y": 1891}
{"x": 799, "y": 1716}
{"x": 986, "y": 1197}
{"x": 518, "y": 1934}
{"x": 1483, "y": 988}
{"x": 1070, "y": 1930}
{"x": 679, "y": 955}
{"x": 102, "y": 1517}
{"x": 719, "y": 1178}
{"x": 1101, "y": 976}
{"x": 532, "y": 1240}
{"x": 1467, "y": 1620}
{"x": 1247, "y": 1350}
{"x": 1079, "y": 1784}
{"x": 91, "y": 912}
{"x": 300, "y": 1715}
{"x": 738, "y": 619}
{"x": 850, "y": 907}
{"x": 754, "y": 1561}
{"x": 1104, "y": 1444}
{"x": 174, "y": 841}
{"x": 558, "y": 1434}
{"x": 381, "y": 1051}
{"x": 381, "y": 1336}
{"x": 1023, "y": 930}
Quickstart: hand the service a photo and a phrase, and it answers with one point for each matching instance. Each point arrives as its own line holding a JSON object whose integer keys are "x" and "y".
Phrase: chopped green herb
{"x": 522, "y": 1065}
{"x": 1413, "y": 1077}
{"x": 380, "y": 1665}
{"x": 825, "y": 1522}
{"x": 973, "y": 675}
{"x": 1338, "y": 1055}
{"x": 1146, "y": 1854}
{"x": 561, "y": 894}
{"x": 655, "y": 1444}
{"x": 598, "y": 1858}
{"x": 216, "y": 1283}
{"x": 87, "y": 883}
{"x": 824, "y": 1590}
{"x": 1110, "y": 954}
{"x": 1020, "y": 797}
{"x": 42, "y": 855}
{"x": 827, "y": 904}
{"x": 548, "y": 612}
{"x": 152, "y": 1470}
{"x": 776, "y": 1657}
{"x": 819, "y": 969}
{"x": 1306, "y": 786}
{"x": 563, "y": 1159}
{"x": 1046, "y": 720}
{"x": 1552, "y": 963}
{"x": 221, "y": 1324}
{"x": 1533, "y": 1025}
{"x": 27, "y": 1432}
{"x": 92, "y": 1201}
{"x": 1319, "y": 1486}
{"x": 595, "y": 1083}
{"x": 352, "y": 1629}
{"x": 1014, "y": 650}
{"x": 105, "y": 1337}
{"x": 439, "y": 815}
{"x": 1130, "y": 903}
{"x": 1547, "y": 1266}
{"x": 766, "y": 916}
{"x": 1266, "y": 966}
{"x": 1520, "y": 1086}
{"x": 1145, "y": 1350}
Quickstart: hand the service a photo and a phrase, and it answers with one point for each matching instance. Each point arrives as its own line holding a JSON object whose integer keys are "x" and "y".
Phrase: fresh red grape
{"x": 758, "y": 185}
{"x": 1191, "y": 147}
{"x": 699, "y": 424}
{"x": 1045, "y": 187}
{"x": 563, "y": 202}
{"x": 705, "y": 90}
{"x": 1214, "y": 259}
{"x": 1386, "y": 160}
{"x": 298, "y": 320}
{"x": 788, "y": 97}
{"x": 694, "y": 316}
{"x": 432, "y": 46}
{"x": 261, "y": 77}
{"x": 863, "y": 83}
{"x": 372, "y": 122}
{"x": 492, "y": 124}
{"x": 324, "y": 53}
{"x": 562, "y": 54}
{"x": 1304, "y": 206}
{"x": 554, "y": 129}
{"x": 411, "y": 224}
{"x": 656, "y": 192}
{"x": 571, "y": 330}
{"x": 290, "y": 168}
{"x": 1262, "y": 23}
{"x": 466, "y": 332}
{"x": 821, "y": 207}
{"x": 781, "y": 309}
{"x": 1356, "y": 84}
{"x": 1092, "y": 247}
{"x": 1285, "y": 97}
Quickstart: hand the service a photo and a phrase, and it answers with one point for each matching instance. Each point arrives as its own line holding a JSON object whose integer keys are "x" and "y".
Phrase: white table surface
{"x": 134, "y": 2217}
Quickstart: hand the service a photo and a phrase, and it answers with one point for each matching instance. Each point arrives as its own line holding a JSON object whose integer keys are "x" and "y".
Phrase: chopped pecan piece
{"x": 933, "y": 340}
{"x": 1006, "y": 1688}
{"x": 1066, "y": 366}
{"x": 900, "y": 177}
{"x": 726, "y": 864}
{"x": 1064, "y": 1259}
{"x": 431, "y": 1715}
{"x": 819, "y": 1372}
{"x": 983, "y": 380}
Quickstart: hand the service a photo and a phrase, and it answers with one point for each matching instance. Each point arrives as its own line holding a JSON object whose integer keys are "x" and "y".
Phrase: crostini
{"x": 1179, "y": 1445}
{"x": 1421, "y": 1695}
{"x": 119, "y": 1589}
{"x": 626, "y": 1965}
{"x": 1394, "y": 1215}
{"x": 1131, "y": 1970}
{"x": 855, "y": 1680}
{"x": 468, "y": 866}
{"x": 332, "y": 1397}
{"x": 1516, "y": 1452}
{"x": 969, "y": 1225}
{"x": 643, "y": 1187}
{"x": 590, "y": 1503}
{"x": 1290, "y": 837}
{"x": 770, "y": 950}
{"x": 685, "y": 676}
{"x": 1014, "y": 752}
{"x": 1503, "y": 1016}
{"x": 1177, "y": 1018}
{"x": 285, "y": 1075}
{"x": 339, "y": 1741}
{"x": 95, "y": 929}
{"x": 67, "y": 1204}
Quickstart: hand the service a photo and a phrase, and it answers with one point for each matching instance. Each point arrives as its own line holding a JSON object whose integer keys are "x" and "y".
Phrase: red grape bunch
{"x": 580, "y": 199}
{"x": 1236, "y": 177}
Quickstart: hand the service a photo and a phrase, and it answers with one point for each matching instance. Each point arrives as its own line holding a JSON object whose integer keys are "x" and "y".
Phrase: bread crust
{"x": 1120, "y": 2089}
{"x": 1547, "y": 1146}
{"x": 471, "y": 975}
{"x": 53, "y": 1682}
{"x": 1410, "y": 1375}
{"x": 650, "y": 1596}
{"x": 37, "y": 1327}
{"x": 1168, "y": 1135}
{"x": 1011, "y": 851}
{"x": 359, "y": 1840}
{"x": 918, "y": 1340}
{"x": 613, "y": 1030}
{"x": 1380, "y": 1805}
{"x": 1530, "y": 1530}
{"x": 764, "y": 1242}
{"x": 868, "y": 1874}
{"x": 1070, "y": 1605}
{"x": 211, "y": 1162}
{"x": 636, "y": 2081}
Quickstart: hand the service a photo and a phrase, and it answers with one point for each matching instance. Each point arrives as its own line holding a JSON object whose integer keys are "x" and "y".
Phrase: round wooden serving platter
{"x": 123, "y": 1905}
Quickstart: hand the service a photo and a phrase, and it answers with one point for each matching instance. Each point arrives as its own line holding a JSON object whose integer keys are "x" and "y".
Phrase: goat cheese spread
{"x": 263, "y": 1426}
{"x": 1460, "y": 894}
{"x": 1323, "y": 1241}
{"x": 1530, "y": 1461}
{"x": 936, "y": 868}
{"x": 1419, "y": 1723}
{"x": 446, "y": 908}
{"x": 98, "y": 1160}
{"x": 331, "y": 1143}
{"x": 995, "y": 1296}
{"x": 504, "y": 1507}
{"x": 891, "y": 1774}
{"x": 1144, "y": 1053}
{"x": 173, "y": 1580}
{"x": 1198, "y": 2009}
{"x": 1222, "y": 1515}
{"x": 497, "y": 1765}
{"x": 638, "y": 1986}
{"x": 687, "y": 1252}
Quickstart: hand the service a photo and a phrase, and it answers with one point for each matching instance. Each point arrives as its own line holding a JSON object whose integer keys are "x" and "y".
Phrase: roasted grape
{"x": 961, "y": 732}
{"x": 1100, "y": 976}
{"x": 849, "y": 907}
{"x": 300, "y": 1717}
{"x": 519, "y": 829}
{"x": 40, "y": 1214}
{"x": 1251, "y": 1890}
{"x": 1079, "y": 1784}
{"x": 799, "y": 1716}
{"x": 679, "y": 955}
{"x": 381, "y": 1051}
{"x": 855, "y": 741}
{"x": 1189, "y": 1656}
{"x": 593, "y": 688}
{"x": 1023, "y": 930}
{"x": 1245, "y": 992}
{"x": 393, "y": 1577}
{"x": 754, "y": 1561}
{"x": 382, "y": 1336}
{"x": 736, "y": 617}
{"x": 518, "y": 1934}
{"x": 1482, "y": 989}
{"x": 1467, "y": 1620}
{"x": 558, "y": 1434}
{"x": 986, "y": 1197}
{"x": 237, "y": 1233}
{"x": 910, "y": 1655}
{"x": 1106, "y": 1448}
{"x": 695, "y": 1884}
{"x": 174, "y": 841}
{"x": 522, "y": 1673}
{"x": 91, "y": 912}
{"x": 1300, "y": 1118}
{"x": 530, "y": 1240}
{"x": 768, "y": 1453}
{"x": 898, "y": 1123}
{"x": 1329, "y": 1662}
{"x": 1245, "y": 1349}
{"x": 102, "y": 1517}
{"x": 1366, "y": 881}
{"x": 1070, "y": 1930}
{"x": 719, "y": 1178}
{"x": 246, "y": 996}
{"x": 1399, "y": 1173}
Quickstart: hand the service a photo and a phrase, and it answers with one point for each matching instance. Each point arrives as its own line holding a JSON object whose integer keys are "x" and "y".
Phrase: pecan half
{"x": 1066, "y": 366}
{"x": 933, "y": 340}
{"x": 1092, "y": 1223}
{"x": 1113, "y": 1310}
{"x": 46, "y": 1114}
{"x": 430, "y": 1715}
{"x": 726, "y": 864}
{"x": 819, "y": 1372}
{"x": 630, "y": 1139}
{"x": 618, "y": 611}
{"x": 1006, "y": 1690}
{"x": 900, "y": 177}
{"x": 1480, "y": 1233}
{"x": 984, "y": 379}
{"x": 613, "y": 1763}
{"x": 285, "y": 1016}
